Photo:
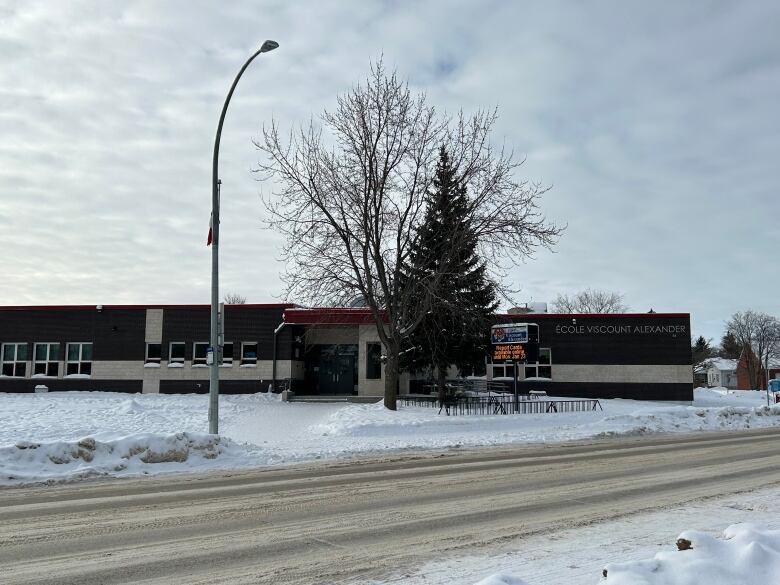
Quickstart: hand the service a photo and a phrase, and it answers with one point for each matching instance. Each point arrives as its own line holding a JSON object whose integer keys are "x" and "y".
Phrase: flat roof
{"x": 362, "y": 315}
{"x": 534, "y": 316}
{"x": 141, "y": 307}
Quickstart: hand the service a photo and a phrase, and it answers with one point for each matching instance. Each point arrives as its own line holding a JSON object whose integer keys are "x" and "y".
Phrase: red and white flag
{"x": 210, "y": 237}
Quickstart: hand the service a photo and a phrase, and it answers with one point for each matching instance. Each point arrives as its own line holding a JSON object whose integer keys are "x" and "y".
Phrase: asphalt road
{"x": 358, "y": 520}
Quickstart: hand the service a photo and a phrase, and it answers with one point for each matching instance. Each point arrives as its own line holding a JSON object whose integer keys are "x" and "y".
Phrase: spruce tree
{"x": 701, "y": 351}
{"x": 445, "y": 255}
{"x": 730, "y": 347}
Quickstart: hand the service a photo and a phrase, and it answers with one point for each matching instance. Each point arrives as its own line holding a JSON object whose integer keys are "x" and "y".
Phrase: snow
{"x": 66, "y": 436}
{"x": 722, "y": 364}
{"x": 637, "y": 550}
{"x": 744, "y": 553}
{"x": 42, "y": 435}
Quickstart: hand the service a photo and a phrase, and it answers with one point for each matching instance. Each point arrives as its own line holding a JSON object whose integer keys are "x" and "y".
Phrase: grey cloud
{"x": 656, "y": 125}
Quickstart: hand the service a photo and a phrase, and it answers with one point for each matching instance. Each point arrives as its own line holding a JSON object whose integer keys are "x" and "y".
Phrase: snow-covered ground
{"x": 736, "y": 541}
{"x": 67, "y": 436}
{"x": 71, "y": 435}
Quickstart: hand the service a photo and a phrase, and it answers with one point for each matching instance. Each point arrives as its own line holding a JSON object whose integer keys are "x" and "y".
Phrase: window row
{"x": 176, "y": 353}
{"x": 46, "y": 359}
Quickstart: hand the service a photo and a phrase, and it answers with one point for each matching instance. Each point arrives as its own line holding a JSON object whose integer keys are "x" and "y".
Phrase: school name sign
{"x": 621, "y": 329}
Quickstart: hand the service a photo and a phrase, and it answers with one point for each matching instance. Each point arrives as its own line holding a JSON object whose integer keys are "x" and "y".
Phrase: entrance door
{"x": 336, "y": 372}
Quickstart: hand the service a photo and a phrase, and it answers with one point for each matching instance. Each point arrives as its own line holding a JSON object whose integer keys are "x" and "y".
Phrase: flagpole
{"x": 215, "y": 183}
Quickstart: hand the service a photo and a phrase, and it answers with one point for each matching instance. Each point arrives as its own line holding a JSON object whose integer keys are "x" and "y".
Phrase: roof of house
{"x": 723, "y": 364}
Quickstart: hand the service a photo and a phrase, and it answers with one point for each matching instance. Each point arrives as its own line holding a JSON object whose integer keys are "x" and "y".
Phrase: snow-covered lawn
{"x": 67, "y": 436}
{"x": 70, "y": 435}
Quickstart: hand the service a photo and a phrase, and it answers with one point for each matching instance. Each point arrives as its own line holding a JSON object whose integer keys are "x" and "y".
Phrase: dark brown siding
{"x": 117, "y": 334}
{"x": 24, "y": 385}
{"x": 241, "y": 324}
{"x": 202, "y": 386}
{"x": 576, "y": 339}
{"x": 635, "y": 391}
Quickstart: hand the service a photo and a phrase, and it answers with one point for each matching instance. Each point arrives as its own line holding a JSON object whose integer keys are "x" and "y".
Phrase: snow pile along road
{"x": 60, "y": 460}
{"x": 745, "y": 553}
{"x": 71, "y": 435}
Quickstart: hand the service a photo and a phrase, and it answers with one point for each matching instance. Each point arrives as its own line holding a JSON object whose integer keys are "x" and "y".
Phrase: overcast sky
{"x": 656, "y": 124}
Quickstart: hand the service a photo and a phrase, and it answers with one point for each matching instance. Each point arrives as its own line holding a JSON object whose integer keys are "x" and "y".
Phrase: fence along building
{"x": 162, "y": 348}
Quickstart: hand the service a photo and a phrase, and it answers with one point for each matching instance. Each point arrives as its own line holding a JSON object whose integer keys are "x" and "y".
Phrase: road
{"x": 358, "y": 520}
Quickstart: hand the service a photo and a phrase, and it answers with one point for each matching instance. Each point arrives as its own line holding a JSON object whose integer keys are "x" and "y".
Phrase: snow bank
{"x": 137, "y": 454}
{"x": 260, "y": 429}
{"x": 744, "y": 553}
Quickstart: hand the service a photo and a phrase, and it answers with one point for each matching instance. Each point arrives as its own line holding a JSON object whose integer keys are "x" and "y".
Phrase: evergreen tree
{"x": 701, "y": 351}
{"x": 730, "y": 347}
{"x": 445, "y": 255}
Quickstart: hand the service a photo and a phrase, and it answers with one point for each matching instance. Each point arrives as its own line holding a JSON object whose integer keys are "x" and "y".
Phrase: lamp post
{"x": 214, "y": 341}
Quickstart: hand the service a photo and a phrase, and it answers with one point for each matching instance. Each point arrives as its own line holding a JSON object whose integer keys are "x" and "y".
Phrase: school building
{"x": 329, "y": 351}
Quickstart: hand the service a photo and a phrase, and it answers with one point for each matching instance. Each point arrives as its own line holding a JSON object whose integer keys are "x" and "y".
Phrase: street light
{"x": 214, "y": 342}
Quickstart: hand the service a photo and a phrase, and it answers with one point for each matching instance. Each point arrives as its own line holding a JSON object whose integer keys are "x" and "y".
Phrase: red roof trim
{"x": 341, "y": 316}
{"x": 328, "y": 316}
{"x": 532, "y": 316}
{"x": 141, "y": 307}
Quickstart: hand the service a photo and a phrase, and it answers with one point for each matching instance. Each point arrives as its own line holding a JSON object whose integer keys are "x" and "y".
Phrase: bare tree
{"x": 758, "y": 334}
{"x": 351, "y": 201}
{"x": 232, "y": 298}
{"x": 590, "y": 301}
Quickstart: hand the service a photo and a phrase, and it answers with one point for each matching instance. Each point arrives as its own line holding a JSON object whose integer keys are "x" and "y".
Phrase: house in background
{"x": 733, "y": 374}
{"x": 722, "y": 373}
{"x": 743, "y": 376}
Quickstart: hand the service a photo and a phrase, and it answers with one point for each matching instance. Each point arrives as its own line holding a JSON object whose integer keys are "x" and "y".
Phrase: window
{"x": 153, "y": 353}
{"x": 15, "y": 359}
{"x": 227, "y": 354}
{"x": 373, "y": 361}
{"x": 503, "y": 370}
{"x": 199, "y": 353}
{"x": 543, "y": 368}
{"x": 248, "y": 353}
{"x": 78, "y": 359}
{"x": 47, "y": 359}
{"x": 176, "y": 353}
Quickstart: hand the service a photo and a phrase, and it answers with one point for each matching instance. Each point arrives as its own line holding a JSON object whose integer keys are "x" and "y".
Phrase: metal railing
{"x": 503, "y": 404}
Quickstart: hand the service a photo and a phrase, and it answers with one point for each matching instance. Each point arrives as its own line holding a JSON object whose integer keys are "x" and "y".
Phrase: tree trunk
{"x": 392, "y": 371}
{"x": 441, "y": 380}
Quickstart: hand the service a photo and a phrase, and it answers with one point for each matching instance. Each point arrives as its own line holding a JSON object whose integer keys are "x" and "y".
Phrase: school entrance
{"x": 332, "y": 369}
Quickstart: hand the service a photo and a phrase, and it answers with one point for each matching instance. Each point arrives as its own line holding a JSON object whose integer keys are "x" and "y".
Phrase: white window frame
{"x": 152, "y": 360}
{"x": 16, "y": 362}
{"x": 80, "y": 362}
{"x": 249, "y": 361}
{"x": 228, "y": 362}
{"x": 198, "y": 361}
{"x": 173, "y": 360}
{"x": 35, "y": 361}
